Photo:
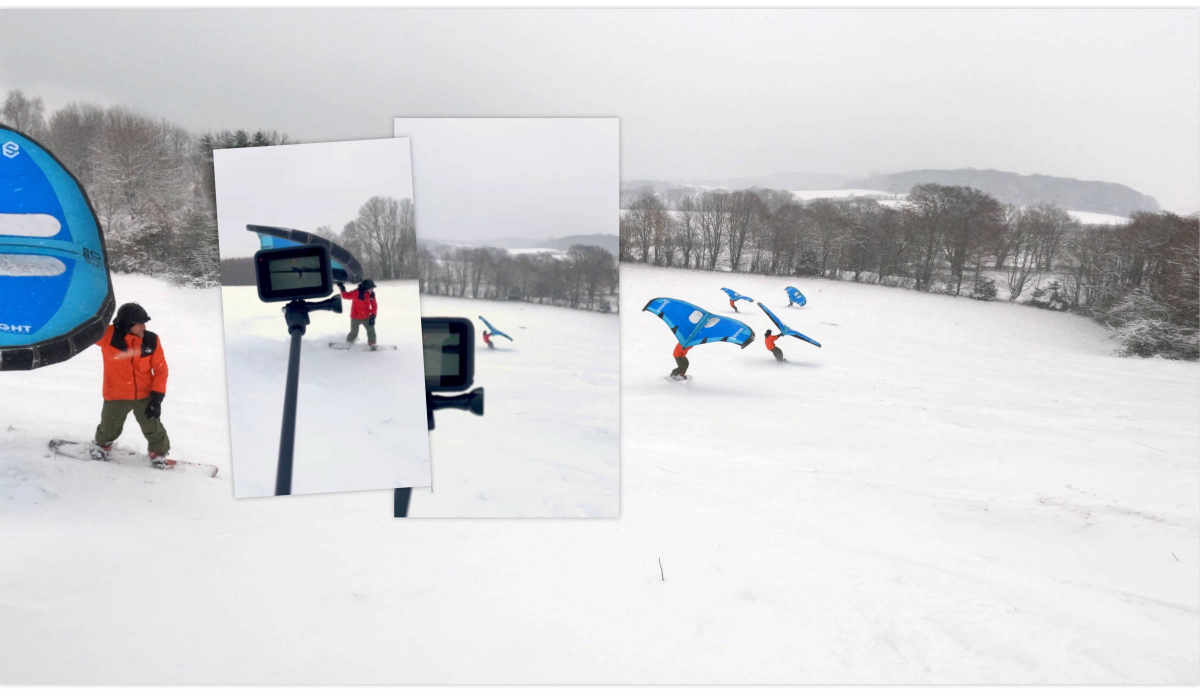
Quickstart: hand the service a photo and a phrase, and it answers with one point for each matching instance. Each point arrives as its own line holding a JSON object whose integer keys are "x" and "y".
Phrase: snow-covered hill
{"x": 360, "y": 416}
{"x": 548, "y": 443}
{"x": 948, "y": 490}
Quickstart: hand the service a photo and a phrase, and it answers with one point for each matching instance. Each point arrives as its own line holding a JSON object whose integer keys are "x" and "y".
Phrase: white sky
{"x": 1093, "y": 94}
{"x": 304, "y": 186}
{"x": 482, "y": 179}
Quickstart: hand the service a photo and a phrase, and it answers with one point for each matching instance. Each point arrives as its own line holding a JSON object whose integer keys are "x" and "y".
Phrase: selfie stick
{"x": 471, "y": 401}
{"x": 296, "y": 315}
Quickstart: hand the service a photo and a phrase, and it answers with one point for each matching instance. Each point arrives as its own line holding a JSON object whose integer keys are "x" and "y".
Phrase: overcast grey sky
{"x": 1093, "y": 94}
{"x": 483, "y": 179}
{"x": 303, "y": 186}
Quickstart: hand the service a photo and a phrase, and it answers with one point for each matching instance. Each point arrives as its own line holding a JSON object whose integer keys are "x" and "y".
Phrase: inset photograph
{"x": 322, "y": 317}
{"x": 517, "y": 247}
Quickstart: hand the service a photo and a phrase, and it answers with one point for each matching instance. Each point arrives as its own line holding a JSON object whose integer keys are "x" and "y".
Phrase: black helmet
{"x": 129, "y": 315}
{"x": 366, "y": 284}
{"x": 768, "y": 332}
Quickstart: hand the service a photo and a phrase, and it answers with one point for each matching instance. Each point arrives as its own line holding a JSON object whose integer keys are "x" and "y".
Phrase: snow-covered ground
{"x": 548, "y": 443}
{"x": 806, "y": 195}
{"x": 948, "y": 490}
{"x": 360, "y": 416}
{"x": 1091, "y": 217}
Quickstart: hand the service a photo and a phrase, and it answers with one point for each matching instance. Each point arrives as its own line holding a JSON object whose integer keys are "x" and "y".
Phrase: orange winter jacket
{"x": 771, "y": 341}
{"x": 680, "y": 351}
{"x": 135, "y": 370}
{"x": 363, "y": 308}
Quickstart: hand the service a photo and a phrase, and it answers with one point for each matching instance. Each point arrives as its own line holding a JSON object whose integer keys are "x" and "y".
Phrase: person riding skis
{"x": 487, "y": 338}
{"x": 362, "y": 310}
{"x": 770, "y": 340}
{"x": 681, "y": 361}
{"x": 135, "y": 380}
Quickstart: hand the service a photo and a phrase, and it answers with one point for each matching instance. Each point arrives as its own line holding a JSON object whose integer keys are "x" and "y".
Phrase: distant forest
{"x": 150, "y": 181}
{"x": 1141, "y": 279}
{"x": 584, "y": 278}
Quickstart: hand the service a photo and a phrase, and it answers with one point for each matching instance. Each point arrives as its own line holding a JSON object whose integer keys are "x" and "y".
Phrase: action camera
{"x": 449, "y": 345}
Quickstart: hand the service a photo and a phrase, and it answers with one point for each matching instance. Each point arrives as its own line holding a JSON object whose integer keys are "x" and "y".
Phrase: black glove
{"x": 371, "y": 321}
{"x": 341, "y": 287}
{"x": 154, "y": 408}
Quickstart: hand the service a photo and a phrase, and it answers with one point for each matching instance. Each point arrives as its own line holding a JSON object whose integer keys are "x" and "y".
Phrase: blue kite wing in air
{"x": 734, "y": 296}
{"x": 56, "y": 295}
{"x": 693, "y": 325}
{"x": 492, "y": 329}
{"x": 346, "y": 267}
{"x": 784, "y": 330}
{"x": 795, "y": 295}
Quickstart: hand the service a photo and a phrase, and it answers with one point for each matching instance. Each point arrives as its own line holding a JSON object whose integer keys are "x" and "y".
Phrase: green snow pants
{"x": 355, "y": 323}
{"x": 112, "y": 422}
{"x": 681, "y": 368}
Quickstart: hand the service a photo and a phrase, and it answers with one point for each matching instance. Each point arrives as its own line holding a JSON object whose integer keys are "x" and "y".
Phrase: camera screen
{"x": 296, "y": 272}
{"x": 449, "y": 348}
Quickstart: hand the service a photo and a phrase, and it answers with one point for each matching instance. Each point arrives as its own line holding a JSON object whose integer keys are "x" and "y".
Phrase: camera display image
{"x": 307, "y": 286}
{"x": 295, "y": 274}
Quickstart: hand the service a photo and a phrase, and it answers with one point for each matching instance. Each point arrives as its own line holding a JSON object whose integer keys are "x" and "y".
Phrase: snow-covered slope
{"x": 1091, "y": 217}
{"x": 948, "y": 490}
{"x": 548, "y": 443}
{"x": 360, "y": 416}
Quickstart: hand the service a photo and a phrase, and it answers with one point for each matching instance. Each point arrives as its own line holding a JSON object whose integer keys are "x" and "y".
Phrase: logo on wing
{"x": 11, "y": 149}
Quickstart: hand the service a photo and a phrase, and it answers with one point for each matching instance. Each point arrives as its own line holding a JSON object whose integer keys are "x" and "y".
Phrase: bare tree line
{"x": 584, "y": 278}
{"x": 383, "y": 237}
{"x": 1139, "y": 278}
{"x": 150, "y": 181}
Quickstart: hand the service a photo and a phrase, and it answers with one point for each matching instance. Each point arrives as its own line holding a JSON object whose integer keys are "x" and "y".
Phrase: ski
{"x": 126, "y": 457}
{"x": 362, "y": 346}
{"x": 684, "y": 378}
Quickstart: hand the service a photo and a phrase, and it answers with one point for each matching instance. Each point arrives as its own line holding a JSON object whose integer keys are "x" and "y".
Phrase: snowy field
{"x": 548, "y": 443}
{"x": 947, "y": 491}
{"x": 360, "y": 416}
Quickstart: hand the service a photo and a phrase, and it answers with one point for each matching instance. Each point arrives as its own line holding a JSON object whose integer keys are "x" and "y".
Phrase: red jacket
{"x": 680, "y": 351}
{"x": 137, "y": 370}
{"x": 770, "y": 340}
{"x": 486, "y": 336}
{"x": 361, "y": 308}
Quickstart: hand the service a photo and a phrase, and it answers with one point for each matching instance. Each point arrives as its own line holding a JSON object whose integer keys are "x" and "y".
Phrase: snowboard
{"x": 126, "y": 457}
{"x": 364, "y": 347}
{"x": 684, "y": 378}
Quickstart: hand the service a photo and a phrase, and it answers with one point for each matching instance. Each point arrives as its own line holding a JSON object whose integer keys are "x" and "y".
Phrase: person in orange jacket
{"x": 362, "y": 310}
{"x": 770, "y": 340}
{"x": 487, "y": 338}
{"x": 135, "y": 380}
{"x": 681, "y": 361}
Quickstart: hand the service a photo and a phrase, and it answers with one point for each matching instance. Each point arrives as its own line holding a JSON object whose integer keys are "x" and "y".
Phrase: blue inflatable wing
{"x": 346, "y": 267}
{"x": 784, "y": 330}
{"x": 492, "y": 329}
{"x": 795, "y": 295}
{"x": 56, "y": 295}
{"x": 734, "y": 296}
{"x": 693, "y": 325}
